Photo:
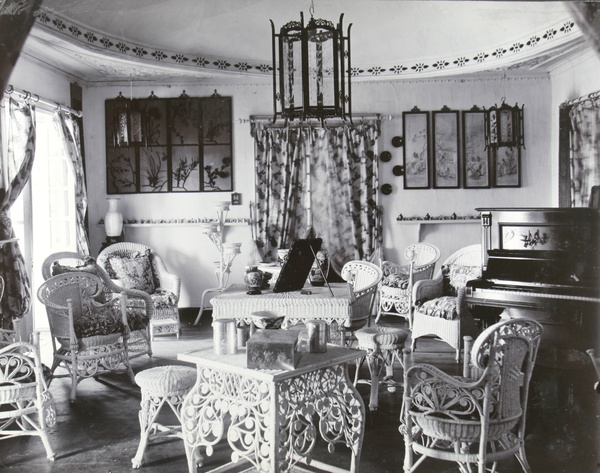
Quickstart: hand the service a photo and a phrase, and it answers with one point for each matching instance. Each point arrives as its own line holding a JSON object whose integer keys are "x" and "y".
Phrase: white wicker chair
{"x": 165, "y": 320}
{"x": 89, "y": 338}
{"x": 139, "y": 342}
{"x": 364, "y": 277}
{"x": 439, "y": 306}
{"x": 477, "y": 420}
{"x": 395, "y": 289}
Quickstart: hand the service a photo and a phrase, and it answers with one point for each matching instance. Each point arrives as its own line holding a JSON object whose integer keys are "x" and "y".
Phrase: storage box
{"x": 273, "y": 349}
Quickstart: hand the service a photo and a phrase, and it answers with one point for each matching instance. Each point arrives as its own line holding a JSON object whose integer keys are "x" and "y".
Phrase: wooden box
{"x": 273, "y": 349}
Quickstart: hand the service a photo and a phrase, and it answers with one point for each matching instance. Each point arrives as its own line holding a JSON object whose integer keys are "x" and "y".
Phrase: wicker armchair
{"x": 26, "y": 405}
{"x": 139, "y": 342}
{"x": 439, "y": 306}
{"x": 395, "y": 289}
{"x": 138, "y": 266}
{"x": 364, "y": 277}
{"x": 89, "y": 336}
{"x": 477, "y": 420}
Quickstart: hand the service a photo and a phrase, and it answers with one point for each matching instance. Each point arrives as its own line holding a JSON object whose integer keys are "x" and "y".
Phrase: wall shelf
{"x": 443, "y": 220}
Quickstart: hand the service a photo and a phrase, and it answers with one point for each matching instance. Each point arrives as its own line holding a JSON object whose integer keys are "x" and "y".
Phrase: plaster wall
{"x": 189, "y": 253}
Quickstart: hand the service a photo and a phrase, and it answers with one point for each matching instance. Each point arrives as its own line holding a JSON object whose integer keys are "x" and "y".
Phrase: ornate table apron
{"x": 273, "y": 412}
{"x": 234, "y": 303}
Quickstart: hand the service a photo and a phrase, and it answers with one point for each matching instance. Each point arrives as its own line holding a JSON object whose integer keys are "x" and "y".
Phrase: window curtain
{"x": 68, "y": 129}
{"x": 318, "y": 181}
{"x": 15, "y": 174}
{"x": 585, "y": 150}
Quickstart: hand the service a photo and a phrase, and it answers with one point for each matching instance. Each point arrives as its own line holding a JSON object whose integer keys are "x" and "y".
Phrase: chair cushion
{"x": 134, "y": 271}
{"x": 395, "y": 280}
{"x": 456, "y": 277}
{"x": 443, "y": 307}
{"x": 161, "y": 299}
{"x": 102, "y": 320}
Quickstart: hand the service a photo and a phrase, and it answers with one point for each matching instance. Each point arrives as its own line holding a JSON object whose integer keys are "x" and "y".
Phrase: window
{"x": 44, "y": 215}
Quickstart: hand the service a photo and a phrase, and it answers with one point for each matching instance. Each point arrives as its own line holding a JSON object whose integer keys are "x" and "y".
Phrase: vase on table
{"x": 320, "y": 269}
{"x": 253, "y": 279}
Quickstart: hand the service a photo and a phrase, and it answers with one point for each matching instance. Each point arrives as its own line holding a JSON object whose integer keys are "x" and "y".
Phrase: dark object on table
{"x": 296, "y": 267}
{"x": 273, "y": 349}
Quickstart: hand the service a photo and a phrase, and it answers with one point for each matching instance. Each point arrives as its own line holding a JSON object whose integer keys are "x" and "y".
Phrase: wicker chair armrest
{"x": 170, "y": 282}
{"x": 426, "y": 289}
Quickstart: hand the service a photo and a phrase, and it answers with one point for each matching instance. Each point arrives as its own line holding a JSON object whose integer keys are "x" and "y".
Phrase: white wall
{"x": 189, "y": 253}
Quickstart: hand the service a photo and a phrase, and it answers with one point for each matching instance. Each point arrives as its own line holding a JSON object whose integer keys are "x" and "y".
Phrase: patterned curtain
{"x": 318, "y": 181}
{"x": 585, "y": 150}
{"x": 15, "y": 174}
{"x": 69, "y": 131}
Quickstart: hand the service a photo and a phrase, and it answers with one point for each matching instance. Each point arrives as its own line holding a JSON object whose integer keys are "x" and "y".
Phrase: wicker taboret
{"x": 383, "y": 344}
{"x": 161, "y": 385}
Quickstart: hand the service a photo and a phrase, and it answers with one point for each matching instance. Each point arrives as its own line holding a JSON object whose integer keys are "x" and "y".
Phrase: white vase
{"x": 113, "y": 220}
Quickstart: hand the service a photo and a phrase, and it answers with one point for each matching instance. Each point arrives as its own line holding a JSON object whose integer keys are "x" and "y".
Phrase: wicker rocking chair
{"x": 89, "y": 336}
{"x": 476, "y": 420}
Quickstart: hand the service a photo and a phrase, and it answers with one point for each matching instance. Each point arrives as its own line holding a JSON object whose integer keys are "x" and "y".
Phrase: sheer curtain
{"x": 69, "y": 132}
{"x": 318, "y": 181}
{"x": 16, "y": 170}
{"x": 585, "y": 150}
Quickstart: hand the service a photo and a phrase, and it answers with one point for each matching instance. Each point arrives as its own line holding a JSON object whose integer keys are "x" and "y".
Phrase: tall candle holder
{"x": 215, "y": 230}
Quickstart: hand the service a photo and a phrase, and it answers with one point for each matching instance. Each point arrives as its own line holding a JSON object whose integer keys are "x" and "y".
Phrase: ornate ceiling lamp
{"x": 310, "y": 64}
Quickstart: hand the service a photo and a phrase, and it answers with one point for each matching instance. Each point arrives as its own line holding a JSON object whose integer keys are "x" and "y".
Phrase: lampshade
{"x": 310, "y": 64}
{"x": 504, "y": 126}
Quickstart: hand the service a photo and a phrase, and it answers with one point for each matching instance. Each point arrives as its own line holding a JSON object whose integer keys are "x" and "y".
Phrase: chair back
{"x": 422, "y": 257}
{"x": 80, "y": 288}
{"x": 509, "y": 348}
{"x": 62, "y": 259}
{"x": 461, "y": 266}
{"x": 364, "y": 277}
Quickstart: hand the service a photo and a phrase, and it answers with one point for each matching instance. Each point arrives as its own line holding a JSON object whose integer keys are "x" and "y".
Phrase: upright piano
{"x": 542, "y": 263}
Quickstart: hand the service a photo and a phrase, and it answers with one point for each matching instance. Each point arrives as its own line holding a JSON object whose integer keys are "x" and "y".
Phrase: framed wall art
{"x": 445, "y": 149}
{"x": 415, "y": 126}
{"x": 169, "y": 145}
{"x": 476, "y": 158}
{"x": 507, "y": 166}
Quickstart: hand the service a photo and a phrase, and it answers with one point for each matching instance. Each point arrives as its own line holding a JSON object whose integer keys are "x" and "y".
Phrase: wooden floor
{"x": 100, "y": 432}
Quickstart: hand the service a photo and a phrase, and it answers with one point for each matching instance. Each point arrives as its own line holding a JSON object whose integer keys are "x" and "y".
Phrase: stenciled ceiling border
{"x": 521, "y": 51}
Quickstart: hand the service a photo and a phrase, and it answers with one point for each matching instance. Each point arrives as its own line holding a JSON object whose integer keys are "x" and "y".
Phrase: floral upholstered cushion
{"x": 395, "y": 280}
{"x": 102, "y": 320}
{"x": 134, "y": 272}
{"x": 456, "y": 277}
{"x": 162, "y": 300}
{"x": 443, "y": 307}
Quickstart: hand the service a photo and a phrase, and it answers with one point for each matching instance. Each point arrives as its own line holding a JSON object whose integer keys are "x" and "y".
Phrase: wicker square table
{"x": 269, "y": 416}
{"x": 296, "y": 307}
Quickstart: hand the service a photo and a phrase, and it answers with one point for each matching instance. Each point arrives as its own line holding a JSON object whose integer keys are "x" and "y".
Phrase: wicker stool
{"x": 164, "y": 384}
{"x": 383, "y": 345}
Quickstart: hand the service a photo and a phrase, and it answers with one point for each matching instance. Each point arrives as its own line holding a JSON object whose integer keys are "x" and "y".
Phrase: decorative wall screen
{"x": 169, "y": 145}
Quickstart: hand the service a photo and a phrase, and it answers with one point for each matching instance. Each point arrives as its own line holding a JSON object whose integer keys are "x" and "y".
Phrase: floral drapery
{"x": 15, "y": 171}
{"x": 319, "y": 181}
{"x": 68, "y": 129}
{"x": 585, "y": 150}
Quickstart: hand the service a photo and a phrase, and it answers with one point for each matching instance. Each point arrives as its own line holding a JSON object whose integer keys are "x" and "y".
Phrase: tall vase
{"x": 113, "y": 219}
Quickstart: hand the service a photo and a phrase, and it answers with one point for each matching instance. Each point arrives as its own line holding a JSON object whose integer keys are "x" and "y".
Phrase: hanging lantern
{"x": 504, "y": 126}
{"x": 127, "y": 121}
{"x": 310, "y": 64}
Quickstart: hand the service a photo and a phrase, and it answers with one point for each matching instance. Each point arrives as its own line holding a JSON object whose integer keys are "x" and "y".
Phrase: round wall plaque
{"x": 398, "y": 170}
{"x": 385, "y": 156}
{"x": 386, "y": 189}
{"x": 397, "y": 141}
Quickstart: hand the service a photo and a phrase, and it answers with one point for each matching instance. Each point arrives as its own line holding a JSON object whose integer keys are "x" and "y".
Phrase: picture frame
{"x": 415, "y": 129}
{"x": 446, "y": 170}
{"x": 156, "y": 145}
{"x": 476, "y": 156}
{"x": 507, "y": 166}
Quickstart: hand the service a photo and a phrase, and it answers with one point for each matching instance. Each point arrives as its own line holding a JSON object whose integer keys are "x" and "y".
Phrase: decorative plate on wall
{"x": 385, "y": 156}
{"x": 397, "y": 141}
{"x": 386, "y": 189}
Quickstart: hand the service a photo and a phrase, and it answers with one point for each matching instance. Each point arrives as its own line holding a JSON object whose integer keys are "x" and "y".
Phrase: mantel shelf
{"x": 419, "y": 222}
{"x": 181, "y": 224}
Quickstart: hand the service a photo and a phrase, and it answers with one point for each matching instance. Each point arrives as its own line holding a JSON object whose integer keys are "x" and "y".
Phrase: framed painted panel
{"x": 216, "y": 169}
{"x": 121, "y": 171}
{"x": 507, "y": 166}
{"x": 445, "y": 147}
{"x": 154, "y": 169}
{"x": 476, "y": 158}
{"x": 415, "y": 127}
{"x": 169, "y": 145}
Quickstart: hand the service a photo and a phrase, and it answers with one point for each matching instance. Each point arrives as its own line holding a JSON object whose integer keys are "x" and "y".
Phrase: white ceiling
{"x": 191, "y": 38}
